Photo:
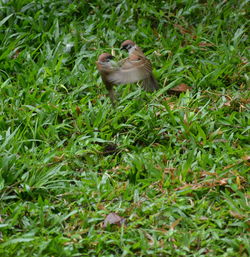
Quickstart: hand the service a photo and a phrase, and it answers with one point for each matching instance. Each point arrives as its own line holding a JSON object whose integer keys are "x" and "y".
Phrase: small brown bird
{"x": 134, "y": 68}
{"x": 106, "y": 68}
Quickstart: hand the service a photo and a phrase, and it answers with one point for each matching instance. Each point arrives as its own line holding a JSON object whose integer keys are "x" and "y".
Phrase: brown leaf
{"x": 101, "y": 207}
{"x": 207, "y": 173}
{"x": 246, "y": 158}
{"x": 229, "y": 166}
{"x": 245, "y": 100}
{"x": 205, "y": 184}
{"x": 172, "y": 105}
{"x": 238, "y": 181}
{"x": 78, "y": 110}
{"x": 113, "y": 218}
{"x": 58, "y": 158}
{"x": 182, "y": 29}
{"x": 150, "y": 239}
{"x": 237, "y": 215}
{"x": 223, "y": 182}
{"x": 175, "y": 223}
{"x": 173, "y": 240}
{"x": 204, "y": 44}
{"x": 244, "y": 60}
{"x": 118, "y": 169}
{"x": 203, "y": 218}
{"x": 169, "y": 170}
{"x": 179, "y": 89}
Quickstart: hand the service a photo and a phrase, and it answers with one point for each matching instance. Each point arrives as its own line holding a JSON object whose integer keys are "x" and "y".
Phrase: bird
{"x": 106, "y": 67}
{"x": 134, "y": 68}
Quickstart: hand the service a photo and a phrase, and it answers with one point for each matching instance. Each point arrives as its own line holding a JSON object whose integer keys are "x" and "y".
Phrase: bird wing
{"x": 132, "y": 69}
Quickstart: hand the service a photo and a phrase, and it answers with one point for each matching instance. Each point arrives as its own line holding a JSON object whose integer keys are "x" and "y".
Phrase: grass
{"x": 175, "y": 167}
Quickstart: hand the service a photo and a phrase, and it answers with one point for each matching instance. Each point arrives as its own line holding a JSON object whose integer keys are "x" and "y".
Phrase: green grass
{"x": 175, "y": 167}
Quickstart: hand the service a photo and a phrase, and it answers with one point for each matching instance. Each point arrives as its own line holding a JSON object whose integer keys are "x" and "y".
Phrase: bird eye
{"x": 110, "y": 58}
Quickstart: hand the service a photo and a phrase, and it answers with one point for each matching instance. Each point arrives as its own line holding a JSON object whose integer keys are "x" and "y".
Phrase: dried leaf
{"x": 246, "y": 159}
{"x": 150, "y": 238}
{"x": 101, "y": 207}
{"x": 207, "y": 173}
{"x": 182, "y": 29}
{"x": 172, "y": 105}
{"x": 244, "y": 60}
{"x": 78, "y": 110}
{"x": 204, "y": 44}
{"x": 173, "y": 240}
{"x": 237, "y": 215}
{"x": 113, "y": 218}
{"x": 175, "y": 223}
{"x": 223, "y": 181}
{"x": 169, "y": 170}
{"x": 205, "y": 184}
{"x": 58, "y": 158}
{"x": 118, "y": 169}
{"x": 179, "y": 89}
{"x": 203, "y": 218}
{"x": 245, "y": 100}
{"x": 238, "y": 182}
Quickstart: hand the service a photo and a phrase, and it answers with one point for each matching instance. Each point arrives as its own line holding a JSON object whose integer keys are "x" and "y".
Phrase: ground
{"x": 173, "y": 165}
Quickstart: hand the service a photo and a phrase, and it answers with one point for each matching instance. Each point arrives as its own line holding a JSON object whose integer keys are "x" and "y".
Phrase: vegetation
{"x": 175, "y": 168}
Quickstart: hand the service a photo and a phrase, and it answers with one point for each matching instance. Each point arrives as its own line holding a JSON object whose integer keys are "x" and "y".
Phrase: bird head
{"x": 127, "y": 45}
{"x": 105, "y": 57}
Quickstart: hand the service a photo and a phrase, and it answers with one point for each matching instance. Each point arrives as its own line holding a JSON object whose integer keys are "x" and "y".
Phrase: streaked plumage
{"x": 134, "y": 68}
{"x": 130, "y": 70}
{"x": 105, "y": 68}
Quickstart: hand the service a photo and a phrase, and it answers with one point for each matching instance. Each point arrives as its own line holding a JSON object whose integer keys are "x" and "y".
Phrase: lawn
{"x": 173, "y": 166}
